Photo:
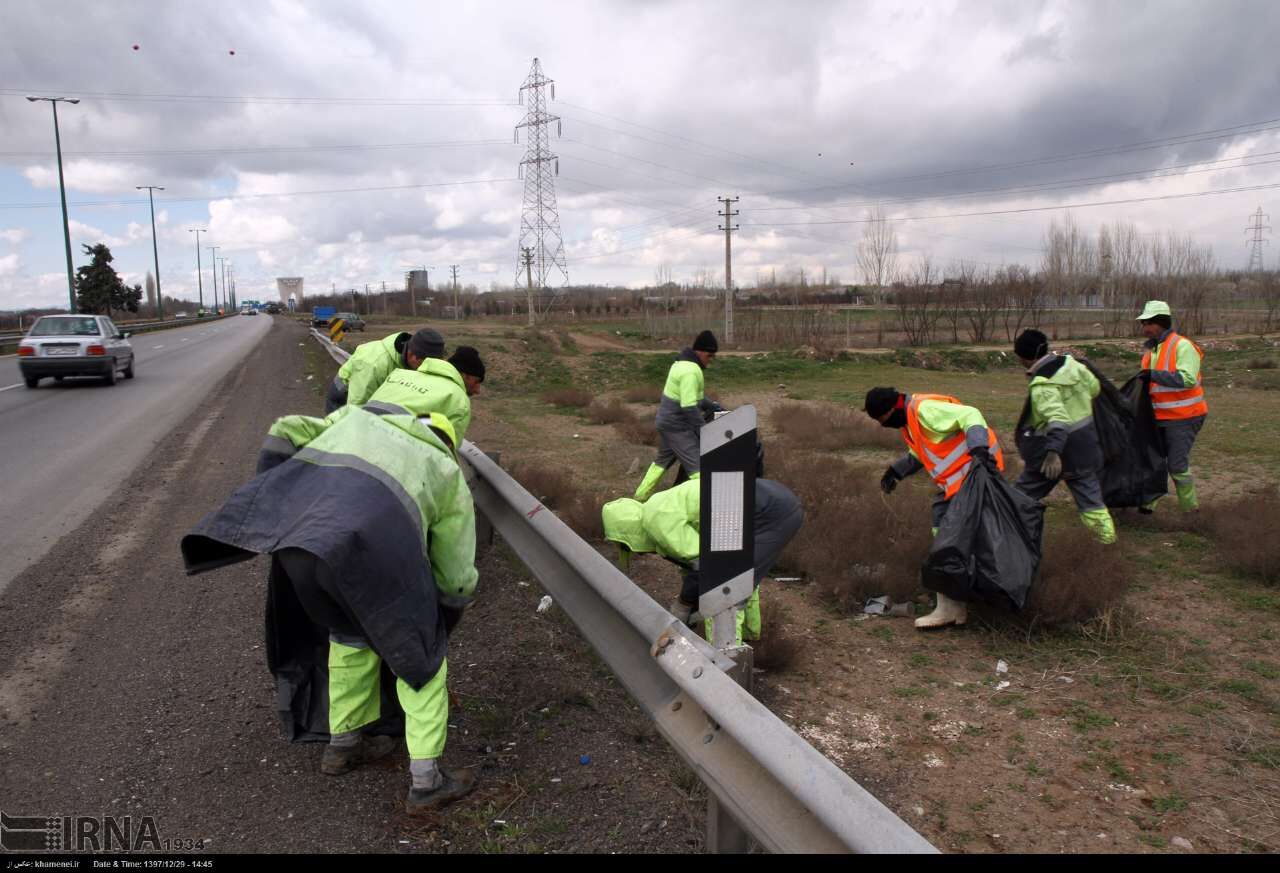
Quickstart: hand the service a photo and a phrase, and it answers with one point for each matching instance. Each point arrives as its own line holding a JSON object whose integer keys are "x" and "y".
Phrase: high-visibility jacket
{"x": 1177, "y": 393}
{"x": 370, "y": 364}
{"x": 669, "y": 522}
{"x": 1058, "y": 415}
{"x": 683, "y": 395}
{"x": 666, "y": 523}
{"x": 436, "y": 386}
{"x": 937, "y": 436}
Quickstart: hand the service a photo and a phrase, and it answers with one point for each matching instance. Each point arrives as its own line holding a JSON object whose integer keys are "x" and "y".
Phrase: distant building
{"x": 290, "y": 288}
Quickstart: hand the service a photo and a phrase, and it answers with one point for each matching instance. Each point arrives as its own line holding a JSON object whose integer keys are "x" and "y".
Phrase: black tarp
{"x": 360, "y": 530}
{"x": 988, "y": 545}
{"x": 1134, "y": 470}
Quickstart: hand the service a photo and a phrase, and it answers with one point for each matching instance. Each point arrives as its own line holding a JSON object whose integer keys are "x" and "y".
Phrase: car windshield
{"x": 65, "y": 327}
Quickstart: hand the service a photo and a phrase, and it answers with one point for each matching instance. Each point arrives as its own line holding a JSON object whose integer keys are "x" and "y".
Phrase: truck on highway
{"x": 321, "y": 314}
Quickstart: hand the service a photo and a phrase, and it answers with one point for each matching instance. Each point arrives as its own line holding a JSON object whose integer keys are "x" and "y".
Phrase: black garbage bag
{"x": 1134, "y": 470}
{"x": 988, "y": 545}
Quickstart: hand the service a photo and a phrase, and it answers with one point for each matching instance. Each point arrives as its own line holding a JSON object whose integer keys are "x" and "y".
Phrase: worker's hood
{"x": 623, "y": 523}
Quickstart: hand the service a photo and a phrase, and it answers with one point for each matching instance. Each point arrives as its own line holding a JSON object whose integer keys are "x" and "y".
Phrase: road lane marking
{"x": 11, "y": 387}
{"x": 157, "y": 347}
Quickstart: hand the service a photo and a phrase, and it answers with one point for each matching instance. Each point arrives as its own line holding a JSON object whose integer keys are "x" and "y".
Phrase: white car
{"x": 74, "y": 345}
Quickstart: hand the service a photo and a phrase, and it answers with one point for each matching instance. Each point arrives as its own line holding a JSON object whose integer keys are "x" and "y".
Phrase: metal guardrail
{"x": 786, "y": 794}
{"x": 138, "y": 327}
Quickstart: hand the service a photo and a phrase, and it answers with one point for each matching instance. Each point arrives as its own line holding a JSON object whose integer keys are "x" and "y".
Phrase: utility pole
{"x": 213, "y": 267}
{"x": 199, "y": 271}
{"x": 384, "y": 298}
{"x": 1258, "y": 226}
{"x": 62, "y": 191}
{"x": 155, "y": 252}
{"x": 728, "y": 229}
{"x": 453, "y": 268}
{"x": 226, "y": 288}
{"x": 220, "y": 263}
{"x": 539, "y": 216}
{"x": 527, "y": 255}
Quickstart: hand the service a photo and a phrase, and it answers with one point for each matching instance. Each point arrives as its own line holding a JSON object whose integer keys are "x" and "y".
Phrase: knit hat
{"x": 1031, "y": 345}
{"x": 706, "y": 342}
{"x": 427, "y": 343}
{"x": 879, "y": 401}
{"x": 467, "y": 360}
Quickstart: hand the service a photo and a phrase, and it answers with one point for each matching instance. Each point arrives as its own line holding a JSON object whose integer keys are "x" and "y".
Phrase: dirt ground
{"x": 1155, "y": 730}
{"x": 128, "y": 688}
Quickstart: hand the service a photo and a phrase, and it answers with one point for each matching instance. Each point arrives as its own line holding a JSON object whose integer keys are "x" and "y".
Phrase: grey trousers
{"x": 1086, "y": 489}
{"x": 681, "y": 445}
{"x": 1178, "y": 440}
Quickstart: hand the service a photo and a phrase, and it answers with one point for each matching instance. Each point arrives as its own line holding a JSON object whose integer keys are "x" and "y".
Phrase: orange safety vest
{"x": 946, "y": 461}
{"x": 1175, "y": 404}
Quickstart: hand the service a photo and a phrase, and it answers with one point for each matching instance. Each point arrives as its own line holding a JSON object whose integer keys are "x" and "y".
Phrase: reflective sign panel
{"x": 726, "y": 511}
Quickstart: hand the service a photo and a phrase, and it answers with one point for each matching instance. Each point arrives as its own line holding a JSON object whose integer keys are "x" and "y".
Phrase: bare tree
{"x": 878, "y": 252}
{"x": 1026, "y": 297}
{"x": 917, "y": 303}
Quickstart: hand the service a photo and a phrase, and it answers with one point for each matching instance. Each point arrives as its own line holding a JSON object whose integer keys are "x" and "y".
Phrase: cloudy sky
{"x": 346, "y": 143}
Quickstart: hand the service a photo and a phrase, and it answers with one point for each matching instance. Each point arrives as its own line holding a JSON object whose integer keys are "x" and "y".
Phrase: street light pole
{"x": 62, "y": 190}
{"x": 155, "y": 252}
{"x": 213, "y": 267}
{"x": 199, "y": 270}
{"x": 226, "y": 290}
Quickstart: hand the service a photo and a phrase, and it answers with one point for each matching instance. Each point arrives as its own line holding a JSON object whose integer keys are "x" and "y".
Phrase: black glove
{"x": 983, "y": 456}
{"x": 889, "y": 480}
{"x": 1145, "y": 375}
{"x": 452, "y": 615}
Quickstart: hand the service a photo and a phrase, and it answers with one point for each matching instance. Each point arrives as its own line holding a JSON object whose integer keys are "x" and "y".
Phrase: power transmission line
{"x": 539, "y": 216}
{"x": 237, "y": 150}
{"x": 129, "y": 97}
{"x": 1025, "y": 209}
{"x": 263, "y": 196}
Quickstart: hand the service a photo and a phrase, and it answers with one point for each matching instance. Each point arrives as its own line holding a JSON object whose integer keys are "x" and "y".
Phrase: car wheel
{"x": 110, "y": 378}
{"x": 31, "y": 381}
{"x": 128, "y": 372}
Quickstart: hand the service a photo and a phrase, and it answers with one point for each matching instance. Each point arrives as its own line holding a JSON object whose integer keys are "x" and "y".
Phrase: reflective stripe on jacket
{"x": 1176, "y": 354}
{"x": 945, "y": 458}
{"x": 370, "y": 364}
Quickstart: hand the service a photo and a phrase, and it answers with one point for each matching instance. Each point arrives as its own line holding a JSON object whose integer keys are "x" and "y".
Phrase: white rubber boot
{"x": 947, "y": 612}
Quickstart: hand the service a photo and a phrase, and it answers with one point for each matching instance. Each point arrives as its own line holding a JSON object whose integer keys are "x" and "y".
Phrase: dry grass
{"x": 649, "y": 394}
{"x": 831, "y": 427}
{"x": 637, "y": 429}
{"x": 572, "y": 398}
{"x": 1080, "y": 579}
{"x": 1261, "y": 364}
{"x": 778, "y": 647}
{"x": 609, "y": 412}
{"x": 1242, "y": 529}
{"x": 577, "y": 507}
{"x": 855, "y": 542}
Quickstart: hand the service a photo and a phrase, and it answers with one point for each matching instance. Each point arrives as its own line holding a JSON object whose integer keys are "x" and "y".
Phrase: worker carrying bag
{"x": 988, "y": 545}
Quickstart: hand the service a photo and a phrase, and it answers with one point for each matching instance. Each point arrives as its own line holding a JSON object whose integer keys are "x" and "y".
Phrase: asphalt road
{"x": 64, "y": 448}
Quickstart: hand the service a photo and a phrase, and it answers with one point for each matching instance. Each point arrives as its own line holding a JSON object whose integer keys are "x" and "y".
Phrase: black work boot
{"x": 343, "y": 759}
{"x": 456, "y": 785}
